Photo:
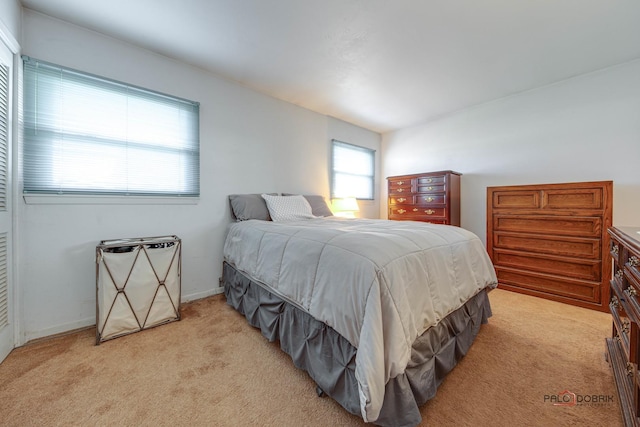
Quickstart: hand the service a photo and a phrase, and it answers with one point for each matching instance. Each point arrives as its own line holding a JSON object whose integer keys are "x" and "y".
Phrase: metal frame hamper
{"x": 137, "y": 284}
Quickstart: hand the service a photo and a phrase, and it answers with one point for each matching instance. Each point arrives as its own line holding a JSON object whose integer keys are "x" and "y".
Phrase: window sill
{"x": 56, "y": 199}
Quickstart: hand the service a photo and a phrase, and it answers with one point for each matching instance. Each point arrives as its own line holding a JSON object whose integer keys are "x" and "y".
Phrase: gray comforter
{"x": 378, "y": 283}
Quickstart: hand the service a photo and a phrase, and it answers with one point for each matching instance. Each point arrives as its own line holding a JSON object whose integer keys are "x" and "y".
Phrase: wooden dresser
{"x": 551, "y": 240}
{"x": 431, "y": 197}
{"x": 623, "y": 348}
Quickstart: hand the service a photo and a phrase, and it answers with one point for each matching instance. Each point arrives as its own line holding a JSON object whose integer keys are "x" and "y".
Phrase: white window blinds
{"x": 4, "y": 134}
{"x": 353, "y": 171}
{"x": 85, "y": 134}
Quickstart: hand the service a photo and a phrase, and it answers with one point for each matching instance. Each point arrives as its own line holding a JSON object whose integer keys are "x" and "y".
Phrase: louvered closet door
{"x": 6, "y": 294}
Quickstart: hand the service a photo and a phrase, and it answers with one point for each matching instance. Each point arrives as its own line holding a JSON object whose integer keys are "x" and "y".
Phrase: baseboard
{"x": 89, "y": 322}
{"x": 64, "y": 328}
{"x": 200, "y": 295}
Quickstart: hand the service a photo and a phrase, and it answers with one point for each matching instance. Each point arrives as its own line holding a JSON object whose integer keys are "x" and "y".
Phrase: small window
{"x": 352, "y": 171}
{"x": 87, "y": 135}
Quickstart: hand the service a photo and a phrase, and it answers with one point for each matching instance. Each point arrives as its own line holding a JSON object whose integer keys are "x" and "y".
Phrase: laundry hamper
{"x": 137, "y": 284}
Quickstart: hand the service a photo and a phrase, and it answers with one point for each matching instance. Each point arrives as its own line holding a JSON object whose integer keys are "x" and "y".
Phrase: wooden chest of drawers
{"x": 431, "y": 197}
{"x": 623, "y": 348}
{"x": 551, "y": 240}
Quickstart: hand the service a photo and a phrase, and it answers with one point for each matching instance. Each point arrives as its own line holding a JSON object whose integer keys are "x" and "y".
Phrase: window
{"x": 353, "y": 171}
{"x": 87, "y": 135}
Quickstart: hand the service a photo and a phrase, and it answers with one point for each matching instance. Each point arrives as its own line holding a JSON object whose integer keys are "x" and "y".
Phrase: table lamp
{"x": 345, "y": 207}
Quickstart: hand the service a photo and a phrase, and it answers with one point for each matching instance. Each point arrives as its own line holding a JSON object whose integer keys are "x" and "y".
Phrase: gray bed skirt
{"x": 330, "y": 359}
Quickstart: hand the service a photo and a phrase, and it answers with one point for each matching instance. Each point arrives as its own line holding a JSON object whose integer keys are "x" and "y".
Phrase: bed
{"x": 376, "y": 311}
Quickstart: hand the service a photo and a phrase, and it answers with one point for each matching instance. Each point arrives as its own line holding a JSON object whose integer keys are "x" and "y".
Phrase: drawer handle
{"x": 401, "y": 199}
{"x": 428, "y": 181}
{"x": 614, "y": 250}
{"x": 415, "y": 209}
{"x": 429, "y": 199}
{"x": 625, "y": 326}
{"x": 631, "y": 292}
{"x": 429, "y": 188}
{"x": 399, "y": 190}
{"x": 429, "y": 211}
{"x": 629, "y": 369}
{"x": 401, "y": 211}
{"x": 619, "y": 274}
{"x": 633, "y": 262}
{"x": 614, "y": 302}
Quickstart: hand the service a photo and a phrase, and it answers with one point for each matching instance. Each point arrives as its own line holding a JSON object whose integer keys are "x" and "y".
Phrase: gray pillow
{"x": 318, "y": 204}
{"x": 249, "y": 206}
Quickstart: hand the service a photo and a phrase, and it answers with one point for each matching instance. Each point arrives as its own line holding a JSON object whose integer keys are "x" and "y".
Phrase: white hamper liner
{"x": 137, "y": 284}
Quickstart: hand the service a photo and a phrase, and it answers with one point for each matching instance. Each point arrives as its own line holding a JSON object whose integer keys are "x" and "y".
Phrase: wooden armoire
{"x": 551, "y": 240}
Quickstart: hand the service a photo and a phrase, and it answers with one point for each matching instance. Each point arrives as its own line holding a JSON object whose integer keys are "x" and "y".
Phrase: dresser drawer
{"x": 547, "y": 284}
{"x": 430, "y": 188}
{"x": 625, "y": 375}
{"x": 621, "y": 306}
{"x": 412, "y": 212}
{"x": 400, "y": 189}
{"x": 405, "y": 199}
{"x": 515, "y": 199}
{"x": 623, "y": 309}
{"x": 431, "y": 180}
{"x": 430, "y": 212}
{"x": 419, "y": 218}
{"x": 632, "y": 272}
{"x": 552, "y": 245}
{"x": 546, "y": 224}
{"x": 399, "y": 182}
{"x": 430, "y": 199}
{"x": 587, "y": 269}
{"x": 614, "y": 250}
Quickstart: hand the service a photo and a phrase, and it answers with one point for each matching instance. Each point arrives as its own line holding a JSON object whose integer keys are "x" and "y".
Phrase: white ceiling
{"x": 380, "y": 64}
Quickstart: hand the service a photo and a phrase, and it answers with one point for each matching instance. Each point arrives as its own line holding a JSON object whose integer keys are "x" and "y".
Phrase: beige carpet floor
{"x": 213, "y": 369}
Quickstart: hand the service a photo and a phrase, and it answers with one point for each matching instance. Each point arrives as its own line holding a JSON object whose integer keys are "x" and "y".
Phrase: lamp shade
{"x": 345, "y": 207}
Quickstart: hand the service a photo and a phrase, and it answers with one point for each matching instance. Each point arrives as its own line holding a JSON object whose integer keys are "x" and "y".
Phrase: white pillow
{"x": 288, "y": 208}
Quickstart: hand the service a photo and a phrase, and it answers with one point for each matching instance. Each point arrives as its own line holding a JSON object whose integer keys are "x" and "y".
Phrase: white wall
{"x": 249, "y": 143}
{"x": 10, "y": 16}
{"x": 583, "y": 129}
